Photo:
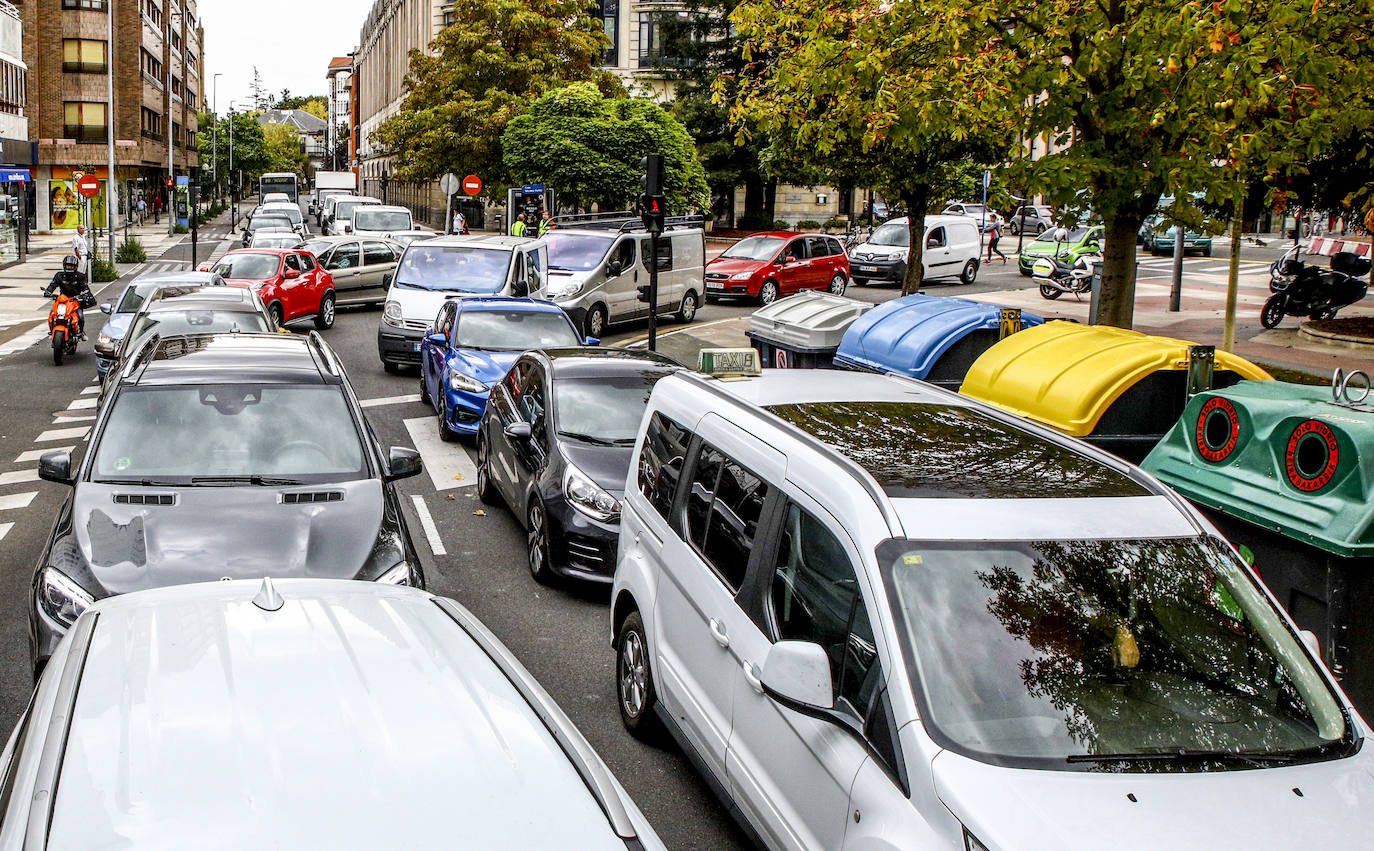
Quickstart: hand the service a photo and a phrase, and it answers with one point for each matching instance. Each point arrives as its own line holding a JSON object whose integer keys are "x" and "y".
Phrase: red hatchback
{"x": 291, "y": 283}
{"x": 767, "y": 266}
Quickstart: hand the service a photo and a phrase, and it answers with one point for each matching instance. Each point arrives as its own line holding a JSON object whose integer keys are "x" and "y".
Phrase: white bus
{"x": 279, "y": 181}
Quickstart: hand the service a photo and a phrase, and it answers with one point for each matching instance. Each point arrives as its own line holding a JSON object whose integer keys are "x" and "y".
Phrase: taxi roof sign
{"x": 724, "y": 363}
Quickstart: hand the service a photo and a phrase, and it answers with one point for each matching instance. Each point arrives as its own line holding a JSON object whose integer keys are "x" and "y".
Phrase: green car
{"x": 1079, "y": 241}
{"x": 1162, "y": 241}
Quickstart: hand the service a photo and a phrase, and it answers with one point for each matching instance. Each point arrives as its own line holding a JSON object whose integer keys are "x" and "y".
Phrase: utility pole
{"x": 110, "y": 132}
{"x": 170, "y": 209}
{"x": 214, "y": 134}
{"x": 651, "y": 204}
{"x": 1176, "y": 275}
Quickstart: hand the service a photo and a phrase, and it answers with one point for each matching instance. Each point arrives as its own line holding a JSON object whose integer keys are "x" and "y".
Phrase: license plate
{"x": 417, "y": 347}
{"x": 867, "y": 268}
{"x": 715, "y": 285}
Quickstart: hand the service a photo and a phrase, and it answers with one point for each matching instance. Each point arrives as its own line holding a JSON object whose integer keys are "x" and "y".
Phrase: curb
{"x": 1348, "y": 339}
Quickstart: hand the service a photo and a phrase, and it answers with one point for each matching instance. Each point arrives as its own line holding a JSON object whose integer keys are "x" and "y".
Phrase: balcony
{"x": 85, "y": 134}
{"x": 155, "y": 136}
{"x": 90, "y": 5}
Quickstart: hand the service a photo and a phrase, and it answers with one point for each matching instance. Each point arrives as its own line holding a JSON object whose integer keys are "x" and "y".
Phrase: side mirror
{"x": 797, "y": 675}
{"x": 402, "y": 463}
{"x": 386, "y": 279}
{"x": 56, "y": 466}
{"x": 518, "y": 431}
{"x": 437, "y": 339}
{"x": 614, "y": 268}
{"x": 107, "y": 307}
{"x": 789, "y": 259}
{"x": 592, "y": 341}
{"x": 519, "y": 289}
{"x": 932, "y": 243}
{"x": 290, "y": 274}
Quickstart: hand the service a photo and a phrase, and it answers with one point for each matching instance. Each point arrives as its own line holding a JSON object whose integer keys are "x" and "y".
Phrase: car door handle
{"x": 718, "y": 632}
{"x": 751, "y": 676}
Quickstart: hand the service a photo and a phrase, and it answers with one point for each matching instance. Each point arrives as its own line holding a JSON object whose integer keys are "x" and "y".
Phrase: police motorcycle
{"x": 1303, "y": 289}
{"x": 1057, "y": 274}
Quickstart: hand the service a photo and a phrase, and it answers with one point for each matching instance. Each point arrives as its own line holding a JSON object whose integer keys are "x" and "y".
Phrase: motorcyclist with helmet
{"x": 72, "y": 284}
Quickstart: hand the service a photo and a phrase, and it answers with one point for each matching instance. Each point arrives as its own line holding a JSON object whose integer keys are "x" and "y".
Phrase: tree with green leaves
{"x": 284, "y": 149}
{"x": 1151, "y": 99}
{"x": 588, "y": 147}
{"x": 890, "y": 95}
{"x": 496, "y": 58}
{"x": 316, "y": 105}
{"x": 250, "y": 153}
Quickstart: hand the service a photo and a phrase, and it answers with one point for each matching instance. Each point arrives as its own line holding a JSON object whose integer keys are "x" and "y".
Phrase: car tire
{"x": 1273, "y": 311}
{"x": 634, "y": 681}
{"x": 391, "y": 368}
{"x": 537, "y": 542}
{"x": 970, "y": 272}
{"x": 687, "y": 311}
{"x": 1207, "y": 252}
{"x": 1039, "y": 229}
{"x": 1049, "y": 292}
{"x": 486, "y": 491}
{"x": 838, "y": 284}
{"x": 768, "y": 293}
{"x": 424, "y": 390}
{"x": 446, "y": 434}
{"x": 324, "y": 319}
{"x": 274, "y": 310}
{"x": 595, "y": 323}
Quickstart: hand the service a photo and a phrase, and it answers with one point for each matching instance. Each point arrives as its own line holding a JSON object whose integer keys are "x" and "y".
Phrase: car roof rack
{"x": 623, "y": 221}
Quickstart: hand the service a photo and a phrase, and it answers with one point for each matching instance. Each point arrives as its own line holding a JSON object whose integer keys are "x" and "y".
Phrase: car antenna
{"x": 267, "y": 598}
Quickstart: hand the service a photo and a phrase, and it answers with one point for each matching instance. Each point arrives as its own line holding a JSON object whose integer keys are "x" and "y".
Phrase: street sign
{"x": 88, "y": 185}
{"x": 472, "y": 185}
{"x": 532, "y": 189}
{"x": 448, "y": 184}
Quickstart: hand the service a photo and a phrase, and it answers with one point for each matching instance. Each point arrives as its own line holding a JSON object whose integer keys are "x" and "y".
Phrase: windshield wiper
{"x": 587, "y": 438}
{"x": 1186, "y": 755}
{"x": 146, "y": 483}
{"x": 262, "y": 481}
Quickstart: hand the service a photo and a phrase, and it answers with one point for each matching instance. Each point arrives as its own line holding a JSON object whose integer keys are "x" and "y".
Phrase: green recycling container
{"x": 1286, "y": 471}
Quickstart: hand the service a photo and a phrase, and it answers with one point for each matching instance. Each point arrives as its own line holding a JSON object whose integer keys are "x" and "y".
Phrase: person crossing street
{"x": 994, "y": 235}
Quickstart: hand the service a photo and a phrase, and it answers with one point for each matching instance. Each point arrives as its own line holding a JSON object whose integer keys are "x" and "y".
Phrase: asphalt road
{"x": 560, "y": 634}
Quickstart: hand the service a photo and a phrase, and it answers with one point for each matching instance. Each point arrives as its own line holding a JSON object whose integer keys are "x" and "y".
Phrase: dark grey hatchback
{"x": 222, "y": 456}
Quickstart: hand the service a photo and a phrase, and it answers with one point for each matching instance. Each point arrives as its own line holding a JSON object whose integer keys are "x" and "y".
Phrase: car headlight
{"x": 401, "y": 574}
{"x": 741, "y": 276}
{"x": 462, "y": 381}
{"x": 391, "y": 313}
{"x": 588, "y": 497}
{"x": 567, "y": 290}
{"x": 105, "y": 344}
{"x": 62, "y": 598}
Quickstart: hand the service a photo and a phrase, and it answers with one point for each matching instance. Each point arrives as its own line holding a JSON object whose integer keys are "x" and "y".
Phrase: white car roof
{"x": 482, "y": 240}
{"x": 386, "y": 208}
{"x": 355, "y": 716}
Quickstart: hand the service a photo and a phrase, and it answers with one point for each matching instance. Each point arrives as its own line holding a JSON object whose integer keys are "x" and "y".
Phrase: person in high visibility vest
{"x": 545, "y": 222}
{"x": 518, "y": 228}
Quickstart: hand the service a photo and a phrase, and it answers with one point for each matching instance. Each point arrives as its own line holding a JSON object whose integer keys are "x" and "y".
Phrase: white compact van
{"x": 381, "y": 220}
{"x": 953, "y": 250}
{"x": 434, "y": 270}
{"x": 339, "y": 221}
{"x": 595, "y": 275}
{"x": 878, "y": 614}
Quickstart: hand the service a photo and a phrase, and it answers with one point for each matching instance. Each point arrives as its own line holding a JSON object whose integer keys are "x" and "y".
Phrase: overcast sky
{"x": 290, "y": 42}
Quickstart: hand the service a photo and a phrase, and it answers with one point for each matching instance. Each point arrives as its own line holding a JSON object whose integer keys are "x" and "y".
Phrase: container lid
{"x": 1282, "y": 456}
{"x": 807, "y": 320}
{"x": 1065, "y": 375}
{"x": 909, "y": 334}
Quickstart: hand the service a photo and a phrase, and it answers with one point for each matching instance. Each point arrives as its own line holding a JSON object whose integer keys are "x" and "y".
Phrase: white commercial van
{"x": 595, "y": 275}
{"x": 953, "y": 250}
{"x": 878, "y": 614}
{"x": 434, "y": 270}
{"x": 339, "y": 222}
{"x": 381, "y": 220}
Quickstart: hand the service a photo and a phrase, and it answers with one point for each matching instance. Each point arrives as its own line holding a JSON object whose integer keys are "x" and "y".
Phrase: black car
{"x": 221, "y": 456}
{"x": 556, "y": 444}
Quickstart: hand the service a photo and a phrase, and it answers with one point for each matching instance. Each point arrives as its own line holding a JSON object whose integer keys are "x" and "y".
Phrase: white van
{"x": 953, "y": 250}
{"x": 339, "y": 222}
{"x": 433, "y": 270}
{"x": 381, "y": 220}
{"x": 878, "y": 614}
{"x": 595, "y": 275}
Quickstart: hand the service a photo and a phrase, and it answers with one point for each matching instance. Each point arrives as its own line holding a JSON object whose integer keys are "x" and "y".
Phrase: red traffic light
{"x": 169, "y": 183}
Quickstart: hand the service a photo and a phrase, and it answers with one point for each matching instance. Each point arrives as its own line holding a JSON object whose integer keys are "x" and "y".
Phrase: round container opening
{"x": 1216, "y": 430}
{"x": 1311, "y": 456}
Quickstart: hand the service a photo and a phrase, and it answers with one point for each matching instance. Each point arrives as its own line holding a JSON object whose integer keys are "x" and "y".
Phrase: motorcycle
{"x": 1302, "y": 289}
{"x": 1057, "y": 276}
{"x": 64, "y": 326}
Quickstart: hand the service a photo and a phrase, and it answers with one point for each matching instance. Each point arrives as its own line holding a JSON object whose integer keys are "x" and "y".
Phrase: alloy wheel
{"x": 634, "y": 674}
{"x": 837, "y": 284}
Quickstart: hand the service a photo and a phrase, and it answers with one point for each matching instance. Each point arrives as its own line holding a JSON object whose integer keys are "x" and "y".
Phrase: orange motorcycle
{"x": 64, "y": 326}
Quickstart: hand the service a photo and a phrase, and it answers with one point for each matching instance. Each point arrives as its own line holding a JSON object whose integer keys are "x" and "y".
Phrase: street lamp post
{"x": 110, "y": 131}
{"x": 214, "y": 133}
{"x": 171, "y": 137}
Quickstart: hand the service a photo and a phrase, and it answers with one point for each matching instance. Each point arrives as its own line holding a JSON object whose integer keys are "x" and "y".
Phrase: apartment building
{"x": 16, "y": 155}
{"x": 157, "y": 53}
{"x": 339, "y": 76}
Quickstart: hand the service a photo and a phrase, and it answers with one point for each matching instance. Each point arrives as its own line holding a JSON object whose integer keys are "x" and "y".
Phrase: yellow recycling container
{"x": 1119, "y": 389}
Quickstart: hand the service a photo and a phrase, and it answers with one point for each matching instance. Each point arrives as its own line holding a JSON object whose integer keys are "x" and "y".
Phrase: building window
{"x": 151, "y": 124}
{"x": 176, "y": 86}
{"x": 151, "y": 65}
{"x": 191, "y": 98}
{"x": 93, "y": 5}
{"x": 175, "y": 38}
{"x": 176, "y": 130}
{"x": 663, "y": 34}
{"x": 13, "y": 88}
{"x": 190, "y": 139}
{"x": 191, "y": 62}
{"x": 153, "y": 13}
{"x": 610, "y": 21}
{"x": 84, "y": 55}
{"x": 85, "y": 121}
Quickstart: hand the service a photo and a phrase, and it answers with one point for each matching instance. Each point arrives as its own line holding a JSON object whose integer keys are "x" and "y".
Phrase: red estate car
{"x": 769, "y": 265}
{"x": 291, "y": 283}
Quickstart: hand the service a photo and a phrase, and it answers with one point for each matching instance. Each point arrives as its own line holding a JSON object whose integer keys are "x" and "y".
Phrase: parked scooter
{"x": 1057, "y": 276}
{"x": 1302, "y": 289}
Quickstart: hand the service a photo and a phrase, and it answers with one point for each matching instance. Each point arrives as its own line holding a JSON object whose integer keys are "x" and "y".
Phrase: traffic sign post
{"x": 449, "y": 184}
{"x": 88, "y": 185}
{"x": 472, "y": 185}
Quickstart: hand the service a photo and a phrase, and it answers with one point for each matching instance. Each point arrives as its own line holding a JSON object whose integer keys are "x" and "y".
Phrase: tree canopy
{"x": 588, "y": 147}
{"x": 250, "y": 151}
{"x": 496, "y": 58}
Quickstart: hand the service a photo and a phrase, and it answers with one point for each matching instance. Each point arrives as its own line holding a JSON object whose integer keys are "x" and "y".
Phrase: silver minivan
{"x": 595, "y": 275}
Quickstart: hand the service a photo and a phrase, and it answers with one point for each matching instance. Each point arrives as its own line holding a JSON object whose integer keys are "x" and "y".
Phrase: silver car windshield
{"x": 575, "y": 252}
{"x": 1100, "y": 654}
{"x": 381, "y": 220}
{"x": 344, "y": 209}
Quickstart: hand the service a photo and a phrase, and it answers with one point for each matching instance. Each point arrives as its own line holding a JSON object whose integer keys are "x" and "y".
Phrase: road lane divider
{"x": 436, "y": 544}
{"x": 449, "y": 465}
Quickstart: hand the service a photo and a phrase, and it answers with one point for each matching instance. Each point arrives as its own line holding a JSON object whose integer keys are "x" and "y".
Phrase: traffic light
{"x": 651, "y": 204}
{"x": 643, "y": 293}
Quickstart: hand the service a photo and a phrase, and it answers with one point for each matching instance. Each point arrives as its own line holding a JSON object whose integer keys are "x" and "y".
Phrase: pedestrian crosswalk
{"x": 23, "y": 473}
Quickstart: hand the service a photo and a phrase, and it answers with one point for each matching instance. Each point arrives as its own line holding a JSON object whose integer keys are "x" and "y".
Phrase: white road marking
{"x": 436, "y": 544}
{"x": 17, "y": 500}
{"x": 87, "y": 391}
{"x": 390, "y": 400}
{"x": 442, "y": 460}
{"x": 62, "y": 433}
{"x": 23, "y": 341}
{"x": 35, "y": 454}
{"x": 81, "y": 419}
{"x": 16, "y": 476}
{"x": 644, "y": 342}
{"x": 84, "y": 404}
{"x": 5, "y": 530}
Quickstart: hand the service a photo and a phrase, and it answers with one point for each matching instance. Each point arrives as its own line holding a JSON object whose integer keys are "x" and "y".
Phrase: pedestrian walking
{"x": 142, "y": 210}
{"x": 157, "y": 208}
{"x": 545, "y": 222}
{"x": 81, "y": 249}
{"x": 518, "y": 229}
{"x": 995, "y": 234}
{"x": 460, "y": 222}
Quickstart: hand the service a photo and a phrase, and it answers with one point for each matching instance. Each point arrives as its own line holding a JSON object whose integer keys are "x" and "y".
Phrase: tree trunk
{"x": 1116, "y": 304}
{"x": 1228, "y": 334}
{"x": 916, "y": 204}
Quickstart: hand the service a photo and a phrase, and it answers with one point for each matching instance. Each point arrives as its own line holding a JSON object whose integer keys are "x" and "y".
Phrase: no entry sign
{"x": 472, "y": 184}
{"x": 88, "y": 185}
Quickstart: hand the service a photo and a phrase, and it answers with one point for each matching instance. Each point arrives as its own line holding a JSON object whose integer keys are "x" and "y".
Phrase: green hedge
{"x": 808, "y": 224}
{"x": 131, "y": 251}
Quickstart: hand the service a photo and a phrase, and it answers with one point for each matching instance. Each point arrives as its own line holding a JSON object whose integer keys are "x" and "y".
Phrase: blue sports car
{"x": 471, "y": 347}
{"x": 121, "y": 311}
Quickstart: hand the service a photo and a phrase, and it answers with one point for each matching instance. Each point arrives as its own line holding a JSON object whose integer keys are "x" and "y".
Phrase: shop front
{"x": 15, "y": 183}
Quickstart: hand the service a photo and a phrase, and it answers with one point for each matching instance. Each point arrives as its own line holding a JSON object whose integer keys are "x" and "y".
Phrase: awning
{"x": 14, "y": 175}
